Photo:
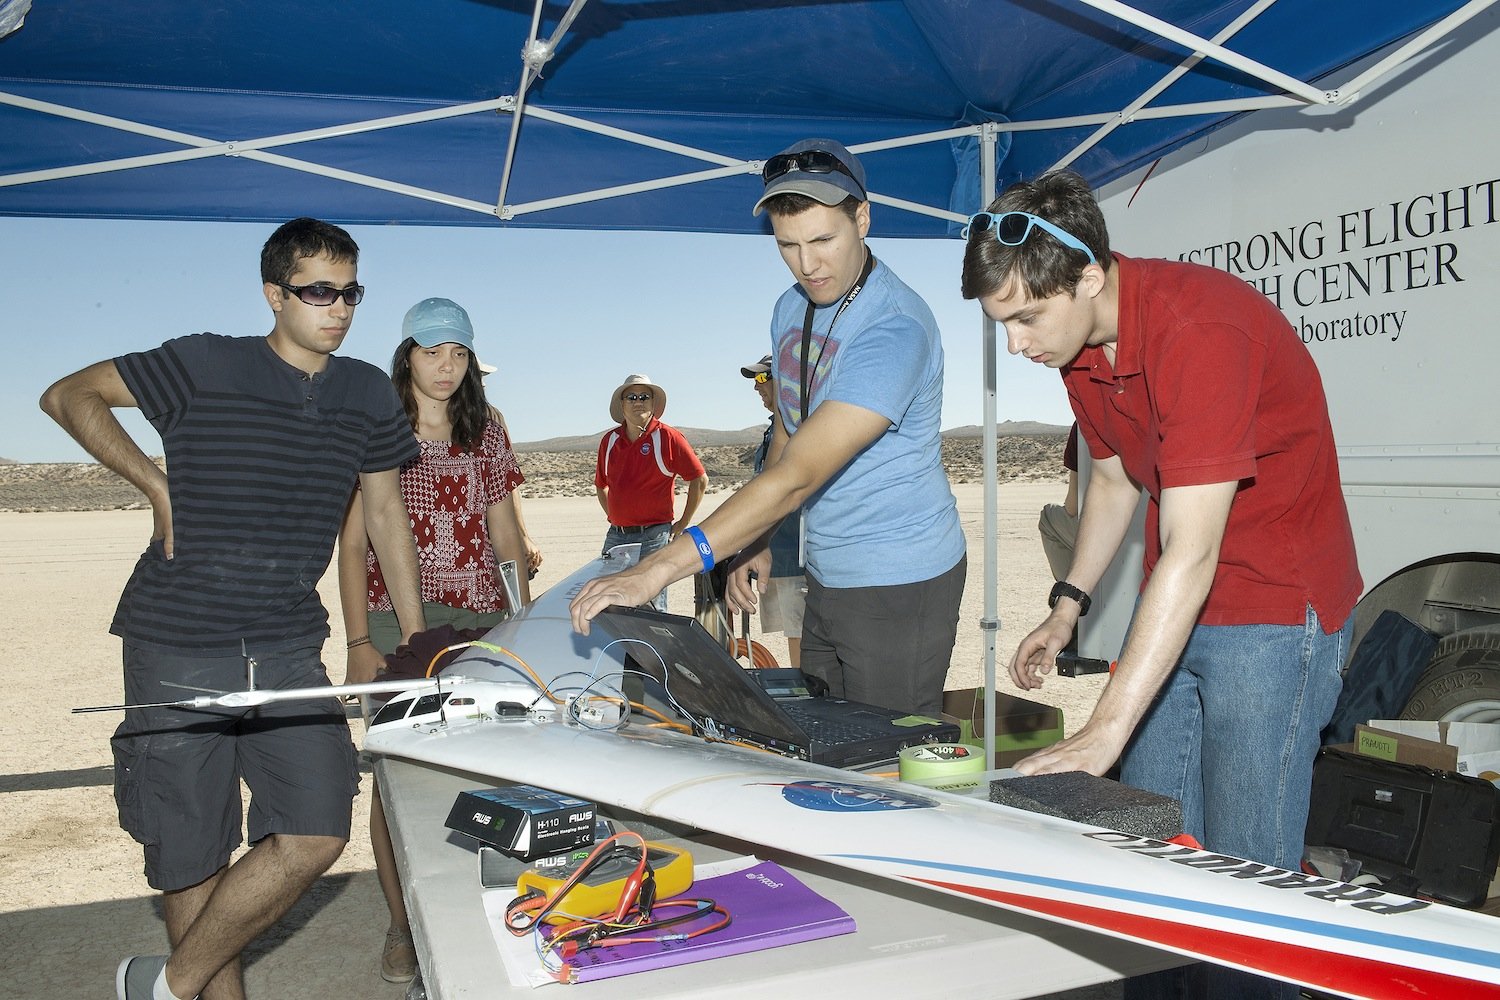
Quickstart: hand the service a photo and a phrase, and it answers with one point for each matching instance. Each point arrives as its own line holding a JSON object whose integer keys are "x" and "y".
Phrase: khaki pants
{"x": 1059, "y": 532}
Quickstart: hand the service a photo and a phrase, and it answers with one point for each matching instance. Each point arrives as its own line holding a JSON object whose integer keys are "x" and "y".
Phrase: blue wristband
{"x": 705, "y": 550}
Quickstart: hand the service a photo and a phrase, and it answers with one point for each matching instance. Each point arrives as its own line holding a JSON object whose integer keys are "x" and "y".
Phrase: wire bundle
{"x": 636, "y": 918}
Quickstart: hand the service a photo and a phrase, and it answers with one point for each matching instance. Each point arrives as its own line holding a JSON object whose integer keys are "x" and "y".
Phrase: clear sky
{"x": 566, "y": 315}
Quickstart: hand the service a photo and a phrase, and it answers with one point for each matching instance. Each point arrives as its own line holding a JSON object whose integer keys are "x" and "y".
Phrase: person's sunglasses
{"x": 813, "y": 161}
{"x": 321, "y": 294}
{"x": 761, "y": 378}
{"x": 638, "y": 397}
{"x": 1012, "y": 228}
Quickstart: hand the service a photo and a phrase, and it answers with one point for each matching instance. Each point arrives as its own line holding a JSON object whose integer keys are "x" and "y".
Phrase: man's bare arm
{"x": 389, "y": 529}
{"x": 1192, "y": 529}
{"x": 830, "y": 439}
{"x": 1108, "y": 509}
{"x": 81, "y": 403}
{"x": 363, "y": 661}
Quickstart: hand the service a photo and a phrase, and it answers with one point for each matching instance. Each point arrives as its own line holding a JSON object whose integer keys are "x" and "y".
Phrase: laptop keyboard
{"x": 827, "y": 730}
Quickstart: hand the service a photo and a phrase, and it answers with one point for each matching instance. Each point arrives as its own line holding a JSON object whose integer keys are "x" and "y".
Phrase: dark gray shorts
{"x": 177, "y": 771}
{"x": 887, "y": 646}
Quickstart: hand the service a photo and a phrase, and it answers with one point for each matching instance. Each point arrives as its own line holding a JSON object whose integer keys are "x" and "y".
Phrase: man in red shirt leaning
{"x": 1192, "y": 385}
{"x": 638, "y": 466}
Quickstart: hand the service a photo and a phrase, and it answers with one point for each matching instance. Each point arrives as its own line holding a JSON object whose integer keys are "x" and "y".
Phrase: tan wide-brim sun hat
{"x": 617, "y": 402}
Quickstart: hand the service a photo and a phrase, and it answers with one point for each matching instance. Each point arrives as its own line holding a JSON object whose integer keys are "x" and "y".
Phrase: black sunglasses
{"x": 813, "y": 161}
{"x": 321, "y": 294}
{"x": 638, "y": 397}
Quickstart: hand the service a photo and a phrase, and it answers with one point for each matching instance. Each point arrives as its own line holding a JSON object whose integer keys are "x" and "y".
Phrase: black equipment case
{"x": 1421, "y": 832}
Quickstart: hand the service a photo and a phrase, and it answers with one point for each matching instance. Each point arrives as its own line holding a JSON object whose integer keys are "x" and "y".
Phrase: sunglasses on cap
{"x": 813, "y": 161}
{"x": 1012, "y": 228}
{"x": 638, "y": 397}
{"x": 321, "y": 294}
{"x": 761, "y": 378}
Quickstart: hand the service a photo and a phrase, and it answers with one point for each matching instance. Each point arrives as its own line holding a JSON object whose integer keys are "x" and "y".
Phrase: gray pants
{"x": 887, "y": 646}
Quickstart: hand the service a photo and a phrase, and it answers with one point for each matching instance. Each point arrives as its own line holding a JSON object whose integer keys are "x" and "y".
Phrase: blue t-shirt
{"x": 889, "y": 516}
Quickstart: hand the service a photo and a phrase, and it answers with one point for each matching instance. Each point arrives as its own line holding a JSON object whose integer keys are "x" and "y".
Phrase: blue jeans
{"x": 1233, "y": 734}
{"x": 651, "y": 537}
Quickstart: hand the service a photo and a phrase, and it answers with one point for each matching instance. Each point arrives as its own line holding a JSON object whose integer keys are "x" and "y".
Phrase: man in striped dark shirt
{"x": 264, "y": 440}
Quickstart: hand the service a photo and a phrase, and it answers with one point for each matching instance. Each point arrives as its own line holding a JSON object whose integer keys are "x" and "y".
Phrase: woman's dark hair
{"x": 1041, "y": 264}
{"x": 467, "y": 409}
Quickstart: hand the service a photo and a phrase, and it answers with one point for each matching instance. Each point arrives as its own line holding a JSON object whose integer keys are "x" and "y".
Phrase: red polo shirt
{"x": 640, "y": 474}
{"x": 1211, "y": 384}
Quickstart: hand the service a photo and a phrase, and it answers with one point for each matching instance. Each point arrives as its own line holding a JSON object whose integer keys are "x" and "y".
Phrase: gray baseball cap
{"x": 828, "y": 186}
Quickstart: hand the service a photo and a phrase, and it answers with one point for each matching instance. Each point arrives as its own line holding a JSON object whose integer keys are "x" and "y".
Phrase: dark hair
{"x": 791, "y": 203}
{"x": 299, "y": 239}
{"x": 467, "y": 409}
{"x": 1043, "y": 265}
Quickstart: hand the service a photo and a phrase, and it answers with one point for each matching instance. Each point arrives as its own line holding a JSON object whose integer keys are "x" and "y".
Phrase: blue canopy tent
{"x": 642, "y": 114}
{"x": 388, "y": 111}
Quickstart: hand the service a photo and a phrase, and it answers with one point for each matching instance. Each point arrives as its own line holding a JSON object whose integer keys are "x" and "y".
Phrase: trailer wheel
{"x": 1462, "y": 683}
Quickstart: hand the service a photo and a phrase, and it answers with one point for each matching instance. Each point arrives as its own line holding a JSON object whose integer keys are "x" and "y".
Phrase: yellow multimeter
{"x": 598, "y": 892}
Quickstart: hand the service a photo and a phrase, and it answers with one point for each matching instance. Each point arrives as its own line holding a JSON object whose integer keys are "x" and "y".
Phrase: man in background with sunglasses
{"x": 264, "y": 440}
{"x": 1190, "y": 384}
{"x": 857, "y": 365}
{"x": 783, "y": 596}
{"x": 636, "y": 472}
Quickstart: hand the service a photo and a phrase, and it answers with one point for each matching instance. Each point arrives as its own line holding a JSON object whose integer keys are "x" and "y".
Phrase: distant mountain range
{"x": 700, "y": 437}
{"x": 1025, "y": 451}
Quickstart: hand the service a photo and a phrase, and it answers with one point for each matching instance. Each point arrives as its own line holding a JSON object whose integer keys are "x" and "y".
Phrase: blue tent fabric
{"x": 735, "y": 78}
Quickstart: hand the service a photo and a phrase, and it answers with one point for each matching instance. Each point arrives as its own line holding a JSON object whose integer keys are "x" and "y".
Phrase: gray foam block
{"x": 1083, "y": 798}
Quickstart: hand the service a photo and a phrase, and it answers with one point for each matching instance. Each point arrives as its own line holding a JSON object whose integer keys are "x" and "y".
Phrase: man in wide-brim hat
{"x": 637, "y": 470}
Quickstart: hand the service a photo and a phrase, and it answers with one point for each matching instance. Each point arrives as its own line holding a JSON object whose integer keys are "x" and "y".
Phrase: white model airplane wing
{"x": 1346, "y": 939}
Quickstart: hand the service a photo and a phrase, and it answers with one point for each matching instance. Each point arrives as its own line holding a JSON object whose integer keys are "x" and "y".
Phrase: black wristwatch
{"x": 1064, "y": 589}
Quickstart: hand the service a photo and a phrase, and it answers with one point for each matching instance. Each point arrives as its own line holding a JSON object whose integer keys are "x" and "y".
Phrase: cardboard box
{"x": 1474, "y": 745}
{"x": 1021, "y": 727}
{"x": 1404, "y": 748}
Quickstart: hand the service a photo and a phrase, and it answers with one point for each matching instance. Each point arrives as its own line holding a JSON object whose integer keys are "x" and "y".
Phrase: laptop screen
{"x": 700, "y": 675}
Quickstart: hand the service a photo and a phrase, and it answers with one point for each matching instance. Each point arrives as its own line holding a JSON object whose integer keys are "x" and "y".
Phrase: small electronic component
{"x": 1073, "y": 665}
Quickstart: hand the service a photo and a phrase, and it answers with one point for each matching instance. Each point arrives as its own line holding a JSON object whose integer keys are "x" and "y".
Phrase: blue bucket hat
{"x": 438, "y": 321}
{"x": 829, "y": 188}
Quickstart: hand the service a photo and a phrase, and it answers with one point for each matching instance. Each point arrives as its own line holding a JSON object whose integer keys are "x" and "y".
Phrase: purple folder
{"x": 769, "y": 907}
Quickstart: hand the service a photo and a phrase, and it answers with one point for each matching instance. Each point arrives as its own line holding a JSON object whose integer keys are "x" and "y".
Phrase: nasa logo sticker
{"x": 841, "y": 796}
{"x": 645, "y": 447}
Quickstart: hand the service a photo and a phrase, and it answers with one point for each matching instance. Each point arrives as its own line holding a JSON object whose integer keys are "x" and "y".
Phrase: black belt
{"x": 641, "y": 528}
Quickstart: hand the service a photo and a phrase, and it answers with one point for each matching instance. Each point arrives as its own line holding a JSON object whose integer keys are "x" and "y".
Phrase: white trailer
{"x": 1377, "y": 232}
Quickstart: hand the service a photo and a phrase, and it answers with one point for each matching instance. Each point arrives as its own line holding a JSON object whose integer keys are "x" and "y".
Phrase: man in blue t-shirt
{"x": 783, "y": 598}
{"x": 264, "y": 440}
{"x": 858, "y": 368}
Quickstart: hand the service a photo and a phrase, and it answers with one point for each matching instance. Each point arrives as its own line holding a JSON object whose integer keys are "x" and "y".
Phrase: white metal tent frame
{"x": 537, "y": 52}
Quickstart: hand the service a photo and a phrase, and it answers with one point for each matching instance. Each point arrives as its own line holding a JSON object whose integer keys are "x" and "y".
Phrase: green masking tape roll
{"x": 942, "y": 765}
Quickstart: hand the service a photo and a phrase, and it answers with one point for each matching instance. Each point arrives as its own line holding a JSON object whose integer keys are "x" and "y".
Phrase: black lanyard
{"x": 807, "y": 327}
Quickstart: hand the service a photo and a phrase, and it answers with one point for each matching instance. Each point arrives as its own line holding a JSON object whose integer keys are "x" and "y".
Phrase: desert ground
{"x": 74, "y": 901}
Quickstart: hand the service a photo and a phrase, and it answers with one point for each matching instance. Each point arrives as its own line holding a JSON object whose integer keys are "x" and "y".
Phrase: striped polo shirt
{"x": 261, "y": 460}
